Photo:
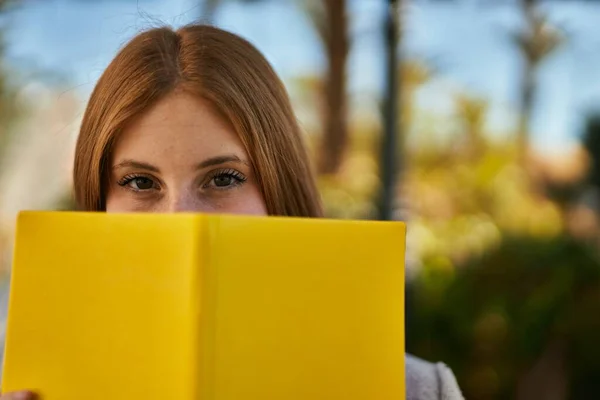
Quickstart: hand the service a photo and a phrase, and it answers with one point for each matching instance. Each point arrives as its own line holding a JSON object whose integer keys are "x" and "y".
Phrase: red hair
{"x": 220, "y": 67}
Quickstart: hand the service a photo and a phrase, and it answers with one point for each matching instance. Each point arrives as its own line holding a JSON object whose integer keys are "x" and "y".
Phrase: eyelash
{"x": 237, "y": 177}
{"x": 127, "y": 179}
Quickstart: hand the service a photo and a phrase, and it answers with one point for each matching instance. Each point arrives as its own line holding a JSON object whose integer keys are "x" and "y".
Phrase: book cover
{"x": 205, "y": 307}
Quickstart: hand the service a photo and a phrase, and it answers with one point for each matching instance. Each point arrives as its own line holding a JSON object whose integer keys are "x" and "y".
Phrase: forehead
{"x": 180, "y": 125}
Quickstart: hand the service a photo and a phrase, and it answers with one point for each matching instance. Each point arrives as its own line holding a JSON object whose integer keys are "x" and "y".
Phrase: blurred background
{"x": 476, "y": 121}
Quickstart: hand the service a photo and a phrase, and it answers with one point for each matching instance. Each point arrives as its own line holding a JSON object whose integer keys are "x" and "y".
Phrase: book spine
{"x": 206, "y": 301}
{"x": 196, "y": 312}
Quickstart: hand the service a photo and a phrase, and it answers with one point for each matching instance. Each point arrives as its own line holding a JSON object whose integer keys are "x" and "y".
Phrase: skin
{"x": 180, "y": 156}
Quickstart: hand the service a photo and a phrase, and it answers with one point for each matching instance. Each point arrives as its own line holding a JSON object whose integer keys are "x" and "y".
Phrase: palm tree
{"x": 536, "y": 41}
{"x": 330, "y": 20}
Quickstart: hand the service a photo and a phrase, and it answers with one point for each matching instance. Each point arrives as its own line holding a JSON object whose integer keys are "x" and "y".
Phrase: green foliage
{"x": 500, "y": 279}
{"x": 500, "y": 311}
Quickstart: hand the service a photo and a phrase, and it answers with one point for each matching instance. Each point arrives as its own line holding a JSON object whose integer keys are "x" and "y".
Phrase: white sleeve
{"x": 427, "y": 381}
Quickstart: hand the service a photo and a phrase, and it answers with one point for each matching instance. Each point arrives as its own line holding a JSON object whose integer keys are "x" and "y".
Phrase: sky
{"x": 468, "y": 45}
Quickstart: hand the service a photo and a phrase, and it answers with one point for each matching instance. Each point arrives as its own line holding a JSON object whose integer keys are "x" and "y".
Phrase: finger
{"x": 21, "y": 395}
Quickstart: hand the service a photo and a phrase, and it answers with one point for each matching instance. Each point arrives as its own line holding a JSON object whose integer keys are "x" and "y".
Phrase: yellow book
{"x": 205, "y": 307}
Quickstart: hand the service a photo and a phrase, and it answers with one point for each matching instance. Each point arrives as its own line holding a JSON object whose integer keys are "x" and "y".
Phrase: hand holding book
{"x": 22, "y": 395}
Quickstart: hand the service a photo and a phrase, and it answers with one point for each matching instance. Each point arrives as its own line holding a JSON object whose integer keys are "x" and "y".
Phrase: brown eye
{"x": 223, "y": 180}
{"x": 138, "y": 183}
{"x": 142, "y": 183}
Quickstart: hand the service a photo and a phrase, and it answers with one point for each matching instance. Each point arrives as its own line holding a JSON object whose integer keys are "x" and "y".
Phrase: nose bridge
{"x": 186, "y": 201}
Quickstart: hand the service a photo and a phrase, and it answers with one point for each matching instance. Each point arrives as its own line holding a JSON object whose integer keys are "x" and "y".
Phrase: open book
{"x": 205, "y": 307}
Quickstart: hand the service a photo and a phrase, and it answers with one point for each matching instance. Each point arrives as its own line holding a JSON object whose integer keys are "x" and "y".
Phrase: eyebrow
{"x": 209, "y": 162}
{"x": 136, "y": 164}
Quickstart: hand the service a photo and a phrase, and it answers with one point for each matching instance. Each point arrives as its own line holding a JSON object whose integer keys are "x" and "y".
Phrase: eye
{"x": 225, "y": 179}
{"x": 142, "y": 183}
{"x": 138, "y": 183}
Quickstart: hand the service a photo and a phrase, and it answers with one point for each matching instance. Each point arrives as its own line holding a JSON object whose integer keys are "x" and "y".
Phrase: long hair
{"x": 220, "y": 67}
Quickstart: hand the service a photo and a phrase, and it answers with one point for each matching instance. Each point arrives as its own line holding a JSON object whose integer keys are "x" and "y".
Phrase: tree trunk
{"x": 527, "y": 85}
{"x": 336, "y": 41}
{"x": 527, "y": 98}
{"x": 391, "y": 142}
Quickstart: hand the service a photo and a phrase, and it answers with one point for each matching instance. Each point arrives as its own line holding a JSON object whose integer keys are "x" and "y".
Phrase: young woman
{"x": 197, "y": 120}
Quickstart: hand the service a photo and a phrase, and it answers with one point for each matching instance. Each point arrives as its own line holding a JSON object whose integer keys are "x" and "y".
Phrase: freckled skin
{"x": 157, "y": 163}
